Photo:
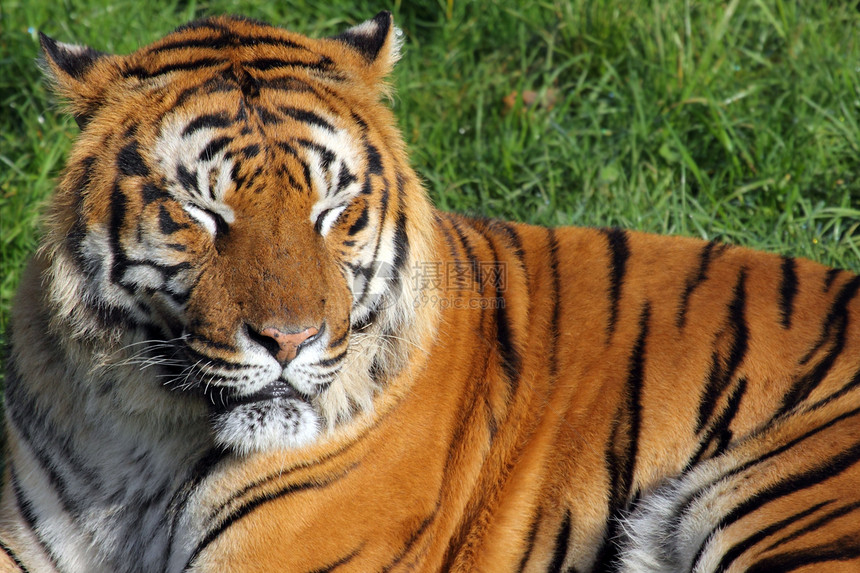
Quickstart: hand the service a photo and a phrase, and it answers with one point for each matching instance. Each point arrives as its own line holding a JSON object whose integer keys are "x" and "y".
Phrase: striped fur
{"x": 476, "y": 395}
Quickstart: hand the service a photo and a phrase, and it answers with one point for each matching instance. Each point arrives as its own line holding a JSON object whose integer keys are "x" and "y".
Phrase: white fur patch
{"x": 267, "y": 425}
{"x": 212, "y": 175}
{"x": 669, "y": 526}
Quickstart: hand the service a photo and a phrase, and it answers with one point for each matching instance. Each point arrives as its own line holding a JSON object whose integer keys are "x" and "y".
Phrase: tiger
{"x": 248, "y": 342}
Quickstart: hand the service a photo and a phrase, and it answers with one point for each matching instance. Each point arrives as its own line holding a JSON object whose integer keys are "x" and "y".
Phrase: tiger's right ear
{"x": 78, "y": 74}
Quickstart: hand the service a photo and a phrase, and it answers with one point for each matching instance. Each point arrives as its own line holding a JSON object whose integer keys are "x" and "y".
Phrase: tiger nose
{"x": 286, "y": 343}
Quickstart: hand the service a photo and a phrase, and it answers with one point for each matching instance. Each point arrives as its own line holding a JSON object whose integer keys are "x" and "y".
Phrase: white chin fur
{"x": 267, "y": 425}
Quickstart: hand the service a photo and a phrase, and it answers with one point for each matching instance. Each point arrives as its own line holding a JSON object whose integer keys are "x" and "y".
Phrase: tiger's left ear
{"x": 377, "y": 42}
{"x": 78, "y": 73}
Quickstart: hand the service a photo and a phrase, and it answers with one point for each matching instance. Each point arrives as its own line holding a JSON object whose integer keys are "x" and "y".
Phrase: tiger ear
{"x": 378, "y": 43}
{"x": 71, "y": 68}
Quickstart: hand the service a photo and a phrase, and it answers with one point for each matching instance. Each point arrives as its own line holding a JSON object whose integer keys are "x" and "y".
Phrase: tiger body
{"x": 463, "y": 395}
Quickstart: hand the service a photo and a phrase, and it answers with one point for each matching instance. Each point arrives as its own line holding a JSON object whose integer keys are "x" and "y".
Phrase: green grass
{"x": 735, "y": 120}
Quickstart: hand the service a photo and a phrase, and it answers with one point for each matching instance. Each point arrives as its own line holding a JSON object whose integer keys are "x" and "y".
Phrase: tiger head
{"x": 235, "y": 212}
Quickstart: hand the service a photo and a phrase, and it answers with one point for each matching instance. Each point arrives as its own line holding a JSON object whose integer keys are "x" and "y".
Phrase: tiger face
{"x": 231, "y": 216}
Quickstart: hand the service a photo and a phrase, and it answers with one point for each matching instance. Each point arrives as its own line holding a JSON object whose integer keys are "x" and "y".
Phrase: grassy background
{"x": 735, "y": 120}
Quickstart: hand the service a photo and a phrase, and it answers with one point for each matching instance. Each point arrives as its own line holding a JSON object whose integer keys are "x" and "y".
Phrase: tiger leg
{"x": 786, "y": 498}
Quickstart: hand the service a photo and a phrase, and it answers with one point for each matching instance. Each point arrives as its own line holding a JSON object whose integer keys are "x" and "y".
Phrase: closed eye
{"x": 327, "y": 219}
{"x": 214, "y": 222}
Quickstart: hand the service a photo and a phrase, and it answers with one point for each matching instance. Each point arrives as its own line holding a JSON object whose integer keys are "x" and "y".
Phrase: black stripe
{"x": 221, "y": 41}
{"x": 78, "y": 232}
{"x": 344, "y": 178}
{"x": 530, "y": 539}
{"x": 289, "y": 149}
{"x": 247, "y": 85}
{"x": 213, "y": 147}
{"x": 804, "y": 385}
{"x": 817, "y": 524}
{"x": 723, "y": 368}
{"x": 250, "y": 151}
{"x": 176, "y": 507}
{"x": 837, "y": 311}
{"x": 741, "y": 547}
{"x": 166, "y": 224}
{"x": 374, "y": 159}
{"x": 383, "y": 214}
{"x": 513, "y": 242}
{"x": 119, "y": 264}
{"x": 705, "y": 258}
{"x": 284, "y": 172}
{"x": 82, "y": 182}
{"x": 470, "y": 255}
{"x": 449, "y": 240}
{"x": 306, "y": 171}
{"x": 152, "y": 192}
{"x": 342, "y": 561}
{"x": 559, "y": 551}
{"x": 854, "y": 383}
{"x": 11, "y": 554}
{"x": 555, "y": 325}
{"x": 210, "y": 42}
{"x": 787, "y": 290}
{"x": 142, "y": 74}
{"x": 187, "y": 179}
{"x": 838, "y": 320}
{"x": 509, "y": 354}
{"x": 195, "y": 358}
{"x": 508, "y": 230}
{"x": 362, "y": 124}
{"x": 401, "y": 242}
{"x": 266, "y": 116}
{"x": 781, "y": 449}
{"x": 843, "y": 549}
{"x": 360, "y": 222}
{"x": 307, "y": 116}
{"x": 168, "y": 272}
{"x": 29, "y": 517}
{"x": 259, "y": 501}
{"x": 623, "y": 446}
{"x": 619, "y": 250}
{"x": 130, "y": 162}
{"x": 828, "y": 469}
{"x": 278, "y": 475}
{"x": 720, "y": 429}
{"x": 829, "y": 277}
{"x": 333, "y": 360}
{"x": 207, "y": 121}
{"x": 287, "y": 84}
{"x": 327, "y": 155}
{"x": 622, "y": 468}
{"x": 264, "y": 64}
{"x": 413, "y": 538}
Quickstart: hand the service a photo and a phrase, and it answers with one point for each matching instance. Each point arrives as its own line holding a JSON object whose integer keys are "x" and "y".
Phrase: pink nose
{"x": 288, "y": 344}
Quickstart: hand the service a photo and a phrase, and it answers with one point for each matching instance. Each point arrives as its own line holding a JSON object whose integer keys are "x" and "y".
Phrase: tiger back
{"x": 249, "y": 343}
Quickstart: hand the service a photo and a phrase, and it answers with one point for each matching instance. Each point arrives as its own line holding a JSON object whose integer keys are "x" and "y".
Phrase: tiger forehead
{"x": 215, "y": 153}
{"x": 219, "y": 124}
{"x": 226, "y": 42}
